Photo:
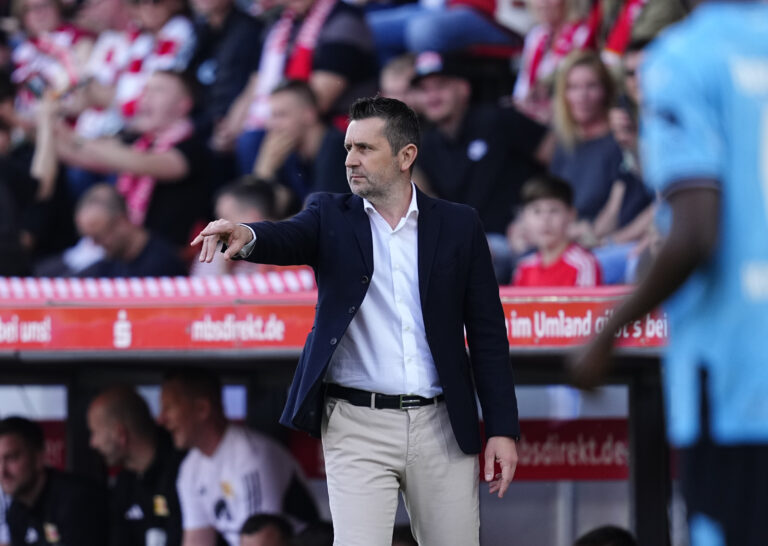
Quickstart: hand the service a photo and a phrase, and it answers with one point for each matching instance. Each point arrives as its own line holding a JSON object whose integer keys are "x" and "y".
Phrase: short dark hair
{"x": 546, "y": 186}
{"x": 29, "y": 432}
{"x": 252, "y": 192}
{"x": 401, "y": 125}
{"x": 608, "y": 535}
{"x": 104, "y": 195}
{"x": 197, "y": 383}
{"x": 257, "y": 522}
{"x": 123, "y": 404}
{"x": 299, "y": 88}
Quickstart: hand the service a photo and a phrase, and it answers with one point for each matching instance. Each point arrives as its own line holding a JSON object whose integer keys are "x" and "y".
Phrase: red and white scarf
{"x": 544, "y": 51}
{"x": 620, "y": 33}
{"x": 276, "y": 65}
{"x": 50, "y": 57}
{"x": 137, "y": 189}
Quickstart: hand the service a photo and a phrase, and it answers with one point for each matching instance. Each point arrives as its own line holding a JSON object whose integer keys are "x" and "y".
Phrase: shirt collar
{"x": 413, "y": 207}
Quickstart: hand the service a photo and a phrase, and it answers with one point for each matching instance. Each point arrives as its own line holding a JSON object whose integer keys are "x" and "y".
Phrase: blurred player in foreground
{"x": 705, "y": 148}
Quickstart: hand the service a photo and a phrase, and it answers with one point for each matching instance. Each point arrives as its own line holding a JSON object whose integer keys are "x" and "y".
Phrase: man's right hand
{"x": 234, "y": 236}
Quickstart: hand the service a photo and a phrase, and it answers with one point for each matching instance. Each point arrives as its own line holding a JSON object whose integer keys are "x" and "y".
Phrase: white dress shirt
{"x": 385, "y": 348}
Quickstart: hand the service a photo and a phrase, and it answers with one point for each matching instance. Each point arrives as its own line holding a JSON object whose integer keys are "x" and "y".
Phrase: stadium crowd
{"x": 126, "y": 125}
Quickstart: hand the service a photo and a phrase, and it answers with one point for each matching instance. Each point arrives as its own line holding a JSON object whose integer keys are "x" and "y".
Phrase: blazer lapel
{"x": 361, "y": 227}
{"x": 429, "y": 231}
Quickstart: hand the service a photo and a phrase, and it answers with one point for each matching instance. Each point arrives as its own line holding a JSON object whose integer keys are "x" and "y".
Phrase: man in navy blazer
{"x": 384, "y": 377}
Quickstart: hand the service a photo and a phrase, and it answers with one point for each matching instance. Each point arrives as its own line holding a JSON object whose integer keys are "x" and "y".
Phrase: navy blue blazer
{"x": 457, "y": 287}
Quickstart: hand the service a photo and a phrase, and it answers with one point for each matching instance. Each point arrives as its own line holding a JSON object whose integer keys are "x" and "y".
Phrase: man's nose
{"x": 351, "y": 160}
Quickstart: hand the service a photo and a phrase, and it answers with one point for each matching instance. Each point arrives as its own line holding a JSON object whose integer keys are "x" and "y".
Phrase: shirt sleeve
{"x": 248, "y": 248}
{"x": 680, "y": 134}
{"x": 193, "y": 513}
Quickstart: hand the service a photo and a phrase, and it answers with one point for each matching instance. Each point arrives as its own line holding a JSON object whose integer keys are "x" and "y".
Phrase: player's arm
{"x": 695, "y": 225}
{"x": 199, "y": 537}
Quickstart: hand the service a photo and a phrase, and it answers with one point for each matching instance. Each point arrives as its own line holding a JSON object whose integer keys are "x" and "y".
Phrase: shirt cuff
{"x": 247, "y": 249}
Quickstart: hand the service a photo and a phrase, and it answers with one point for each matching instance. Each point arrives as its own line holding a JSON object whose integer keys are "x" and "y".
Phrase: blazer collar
{"x": 429, "y": 233}
{"x": 361, "y": 227}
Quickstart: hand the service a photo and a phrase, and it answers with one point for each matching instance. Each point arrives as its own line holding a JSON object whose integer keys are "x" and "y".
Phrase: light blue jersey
{"x": 705, "y": 116}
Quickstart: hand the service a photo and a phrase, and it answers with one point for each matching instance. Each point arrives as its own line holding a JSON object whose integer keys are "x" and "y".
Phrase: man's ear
{"x": 407, "y": 156}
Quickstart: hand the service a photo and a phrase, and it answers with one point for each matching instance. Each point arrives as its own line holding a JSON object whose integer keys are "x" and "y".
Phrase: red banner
{"x": 549, "y": 450}
{"x": 551, "y": 318}
{"x": 560, "y": 317}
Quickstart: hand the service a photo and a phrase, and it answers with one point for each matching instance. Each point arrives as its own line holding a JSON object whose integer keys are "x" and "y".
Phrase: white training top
{"x": 249, "y": 473}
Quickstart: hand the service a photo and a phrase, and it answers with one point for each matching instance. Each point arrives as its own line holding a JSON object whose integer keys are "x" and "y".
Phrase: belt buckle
{"x": 409, "y": 401}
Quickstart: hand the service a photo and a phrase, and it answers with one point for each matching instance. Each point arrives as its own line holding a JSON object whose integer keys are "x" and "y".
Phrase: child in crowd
{"x": 547, "y": 215}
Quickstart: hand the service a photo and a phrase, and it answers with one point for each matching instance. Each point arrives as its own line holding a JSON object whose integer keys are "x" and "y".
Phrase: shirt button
{"x": 333, "y": 341}
{"x": 352, "y": 309}
{"x": 365, "y": 279}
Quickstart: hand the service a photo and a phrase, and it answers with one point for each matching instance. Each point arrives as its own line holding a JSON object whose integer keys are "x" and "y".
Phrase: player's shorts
{"x": 728, "y": 485}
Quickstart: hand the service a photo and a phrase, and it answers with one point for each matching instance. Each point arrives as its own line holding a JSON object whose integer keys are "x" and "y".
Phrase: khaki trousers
{"x": 372, "y": 454}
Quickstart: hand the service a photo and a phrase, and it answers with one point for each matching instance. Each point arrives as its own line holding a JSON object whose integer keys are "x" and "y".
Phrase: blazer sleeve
{"x": 290, "y": 242}
{"x": 487, "y": 341}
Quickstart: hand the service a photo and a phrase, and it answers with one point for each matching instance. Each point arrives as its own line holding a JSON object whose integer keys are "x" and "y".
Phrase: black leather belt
{"x": 358, "y": 397}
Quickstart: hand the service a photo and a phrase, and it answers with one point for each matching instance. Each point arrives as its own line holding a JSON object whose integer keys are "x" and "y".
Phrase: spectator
{"x": 547, "y": 214}
{"x": 104, "y": 17}
{"x": 227, "y": 53}
{"x": 144, "y": 506}
{"x": 319, "y": 533}
{"x": 37, "y": 212}
{"x": 91, "y": 103}
{"x": 49, "y": 506}
{"x": 230, "y": 472}
{"x": 324, "y": 42}
{"x": 122, "y": 62}
{"x": 560, "y": 30}
{"x": 587, "y": 155}
{"x": 266, "y": 530}
{"x": 617, "y": 23}
{"x": 300, "y": 153}
{"x": 52, "y": 56}
{"x": 395, "y": 80}
{"x": 130, "y": 250}
{"x": 163, "y": 174}
{"x": 606, "y": 536}
{"x": 445, "y": 27}
{"x": 243, "y": 201}
{"x": 477, "y": 155}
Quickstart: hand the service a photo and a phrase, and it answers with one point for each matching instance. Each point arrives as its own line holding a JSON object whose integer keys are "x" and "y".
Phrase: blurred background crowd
{"x": 126, "y": 125}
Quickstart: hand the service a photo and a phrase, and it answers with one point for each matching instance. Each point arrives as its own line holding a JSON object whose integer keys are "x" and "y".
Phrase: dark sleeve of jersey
{"x": 82, "y": 515}
{"x": 524, "y": 134}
